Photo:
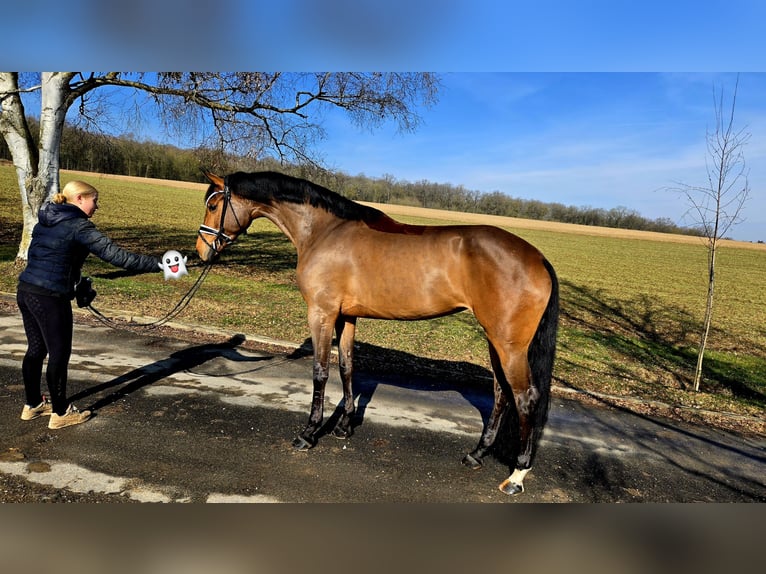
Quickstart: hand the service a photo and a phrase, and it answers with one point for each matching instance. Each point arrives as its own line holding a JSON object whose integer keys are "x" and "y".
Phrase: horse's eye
{"x": 212, "y": 208}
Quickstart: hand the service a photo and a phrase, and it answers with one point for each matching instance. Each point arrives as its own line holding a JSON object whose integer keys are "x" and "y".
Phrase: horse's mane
{"x": 269, "y": 187}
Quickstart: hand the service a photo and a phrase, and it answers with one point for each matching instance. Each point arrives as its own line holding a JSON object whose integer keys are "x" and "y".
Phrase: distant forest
{"x": 125, "y": 155}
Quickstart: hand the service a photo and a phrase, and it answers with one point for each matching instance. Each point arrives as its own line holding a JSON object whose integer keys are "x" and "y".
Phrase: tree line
{"x": 84, "y": 150}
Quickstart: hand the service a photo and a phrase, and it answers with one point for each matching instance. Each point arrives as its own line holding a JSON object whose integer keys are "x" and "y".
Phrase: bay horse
{"x": 355, "y": 261}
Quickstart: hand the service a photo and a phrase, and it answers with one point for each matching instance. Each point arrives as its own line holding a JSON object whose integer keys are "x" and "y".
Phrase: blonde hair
{"x": 72, "y": 190}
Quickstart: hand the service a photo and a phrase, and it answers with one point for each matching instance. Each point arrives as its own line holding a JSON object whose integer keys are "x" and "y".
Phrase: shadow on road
{"x": 176, "y": 362}
{"x": 682, "y": 446}
{"x": 407, "y": 371}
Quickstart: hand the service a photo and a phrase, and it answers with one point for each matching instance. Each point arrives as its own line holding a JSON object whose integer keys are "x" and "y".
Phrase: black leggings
{"x": 48, "y": 326}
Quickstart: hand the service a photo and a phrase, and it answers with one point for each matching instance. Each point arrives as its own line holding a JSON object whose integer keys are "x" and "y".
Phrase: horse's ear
{"x": 214, "y": 179}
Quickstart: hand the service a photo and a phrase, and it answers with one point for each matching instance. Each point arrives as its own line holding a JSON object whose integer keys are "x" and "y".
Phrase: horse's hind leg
{"x": 527, "y": 399}
{"x": 512, "y": 437}
{"x": 474, "y": 458}
{"x": 489, "y": 434}
{"x": 345, "y": 327}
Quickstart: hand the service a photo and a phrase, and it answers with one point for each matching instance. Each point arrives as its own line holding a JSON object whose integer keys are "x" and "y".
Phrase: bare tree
{"x": 247, "y": 113}
{"x": 717, "y": 206}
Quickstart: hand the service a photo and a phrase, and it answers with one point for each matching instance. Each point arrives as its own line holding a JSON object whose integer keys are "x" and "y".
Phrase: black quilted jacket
{"x": 61, "y": 240}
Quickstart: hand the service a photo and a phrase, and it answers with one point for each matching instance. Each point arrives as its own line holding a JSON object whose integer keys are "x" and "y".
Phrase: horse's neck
{"x": 301, "y": 223}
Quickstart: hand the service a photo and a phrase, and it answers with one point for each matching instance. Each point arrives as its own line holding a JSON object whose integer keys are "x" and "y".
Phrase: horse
{"x": 354, "y": 262}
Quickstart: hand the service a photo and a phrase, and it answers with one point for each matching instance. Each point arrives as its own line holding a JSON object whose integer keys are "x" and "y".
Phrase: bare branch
{"x": 258, "y": 112}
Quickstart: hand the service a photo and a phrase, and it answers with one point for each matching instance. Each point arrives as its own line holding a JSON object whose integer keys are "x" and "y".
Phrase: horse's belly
{"x": 401, "y": 314}
{"x": 398, "y": 302}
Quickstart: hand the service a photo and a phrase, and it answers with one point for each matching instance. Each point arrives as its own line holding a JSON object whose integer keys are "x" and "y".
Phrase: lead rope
{"x": 180, "y": 306}
{"x": 204, "y": 229}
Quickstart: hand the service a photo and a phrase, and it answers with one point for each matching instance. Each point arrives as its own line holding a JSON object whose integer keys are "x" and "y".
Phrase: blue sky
{"x": 583, "y": 139}
{"x": 439, "y": 35}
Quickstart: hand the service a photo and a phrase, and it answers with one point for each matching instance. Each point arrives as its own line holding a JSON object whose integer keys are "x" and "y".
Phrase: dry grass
{"x": 552, "y": 226}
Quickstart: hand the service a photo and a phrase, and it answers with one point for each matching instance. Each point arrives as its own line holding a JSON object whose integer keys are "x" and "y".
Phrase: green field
{"x": 631, "y": 307}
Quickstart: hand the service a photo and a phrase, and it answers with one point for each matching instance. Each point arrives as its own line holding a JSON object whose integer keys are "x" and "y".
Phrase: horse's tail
{"x": 540, "y": 355}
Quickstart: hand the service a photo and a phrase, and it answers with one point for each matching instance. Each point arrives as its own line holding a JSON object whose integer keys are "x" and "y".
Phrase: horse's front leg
{"x": 321, "y": 337}
{"x": 345, "y": 327}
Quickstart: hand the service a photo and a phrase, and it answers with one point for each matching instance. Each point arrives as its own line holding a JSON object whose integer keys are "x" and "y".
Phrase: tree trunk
{"x": 37, "y": 171}
{"x": 708, "y": 314}
{"x": 21, "y": 146}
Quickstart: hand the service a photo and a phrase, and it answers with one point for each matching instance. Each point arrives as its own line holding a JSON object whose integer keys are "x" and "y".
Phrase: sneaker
{"x": 72, "y": 416}
{"x": 42, "y": 410}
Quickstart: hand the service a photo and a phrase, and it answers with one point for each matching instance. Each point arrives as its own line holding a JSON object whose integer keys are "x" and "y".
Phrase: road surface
{"x": 185, "y": 416}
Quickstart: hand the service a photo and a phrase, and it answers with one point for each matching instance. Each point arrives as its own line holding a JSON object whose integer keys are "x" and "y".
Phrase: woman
{"x": 61, "y": 240}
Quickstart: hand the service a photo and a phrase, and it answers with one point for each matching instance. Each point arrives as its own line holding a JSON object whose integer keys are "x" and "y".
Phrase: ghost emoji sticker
{"x": 173, "y": 264}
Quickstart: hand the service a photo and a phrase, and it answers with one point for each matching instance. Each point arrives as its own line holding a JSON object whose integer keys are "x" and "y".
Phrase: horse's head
{"x": 224, "y": 219}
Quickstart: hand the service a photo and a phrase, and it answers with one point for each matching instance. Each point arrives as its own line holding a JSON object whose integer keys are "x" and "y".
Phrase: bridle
{"x": 220, "y": 239}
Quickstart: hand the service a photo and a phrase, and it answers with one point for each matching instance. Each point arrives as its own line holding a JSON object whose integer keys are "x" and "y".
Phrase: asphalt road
{"x": 203, "y": 416}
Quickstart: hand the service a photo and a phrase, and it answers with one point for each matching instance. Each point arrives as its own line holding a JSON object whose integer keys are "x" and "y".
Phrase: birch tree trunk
{"x": 23, "y": 151}
{"x": 37, "y": 169}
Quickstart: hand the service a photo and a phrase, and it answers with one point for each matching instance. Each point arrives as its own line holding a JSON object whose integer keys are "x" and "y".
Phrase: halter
{"x": 220, "y": 240}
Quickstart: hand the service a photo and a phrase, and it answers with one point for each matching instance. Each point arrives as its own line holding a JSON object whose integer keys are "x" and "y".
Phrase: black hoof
{"x": 340, "y": 433}
{"x": 300, "y": 443}
{"x": 471, "y": 462}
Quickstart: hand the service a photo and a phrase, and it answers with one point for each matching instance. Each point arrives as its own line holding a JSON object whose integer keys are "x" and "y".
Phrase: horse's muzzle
{"x": 205, "y": 250}
{"x": 211, "y": 241}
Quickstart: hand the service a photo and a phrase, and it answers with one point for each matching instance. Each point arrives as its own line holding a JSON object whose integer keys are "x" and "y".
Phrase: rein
{"x": 220, "y": 241}
{"x": 180, "y": 306}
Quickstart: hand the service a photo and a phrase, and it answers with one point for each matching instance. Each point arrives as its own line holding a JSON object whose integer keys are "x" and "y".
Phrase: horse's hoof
{"x": 511, "y": 488}
{"x": 300, "y": 443}
{"x": 471, "y": 462}
{"x": 340, "y": 433}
